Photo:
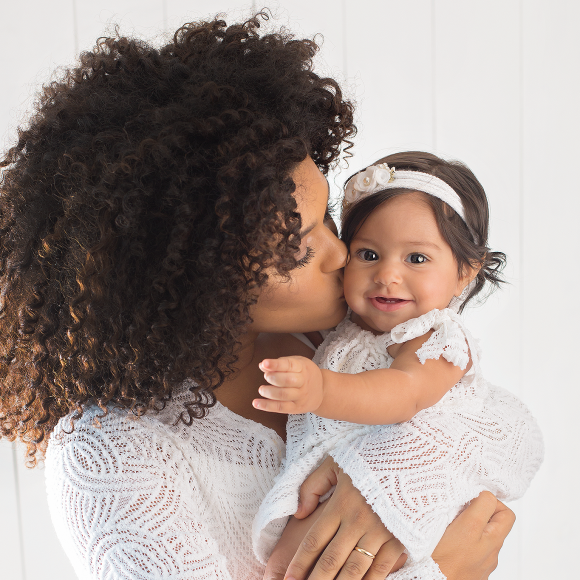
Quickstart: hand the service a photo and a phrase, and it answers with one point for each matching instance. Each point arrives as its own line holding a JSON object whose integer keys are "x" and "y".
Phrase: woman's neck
{"x": 240, "y": 389}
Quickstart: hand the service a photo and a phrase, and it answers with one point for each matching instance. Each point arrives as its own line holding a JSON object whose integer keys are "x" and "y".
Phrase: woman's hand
{"x": 321, "y": 547}
{"x": 470, "y": 546}
{"x": 325, "y": 539}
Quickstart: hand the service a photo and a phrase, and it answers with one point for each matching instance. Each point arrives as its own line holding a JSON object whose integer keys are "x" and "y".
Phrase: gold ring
{"x": 371, "y": 556}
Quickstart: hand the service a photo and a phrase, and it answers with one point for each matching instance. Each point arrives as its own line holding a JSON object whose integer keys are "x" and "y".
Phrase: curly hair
{"x": 139, "y": 211}
{"x": 467, "y": 251}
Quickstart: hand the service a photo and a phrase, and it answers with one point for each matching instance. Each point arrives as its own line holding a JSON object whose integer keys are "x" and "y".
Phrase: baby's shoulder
{"x": 438, "y": 333}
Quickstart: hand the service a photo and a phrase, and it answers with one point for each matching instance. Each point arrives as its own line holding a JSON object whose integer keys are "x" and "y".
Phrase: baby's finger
{"x": 284, "y": 379}
{"x": 286, "y": 407}
{"x": 279, "y": 393}
{"x": 283, "y": 364}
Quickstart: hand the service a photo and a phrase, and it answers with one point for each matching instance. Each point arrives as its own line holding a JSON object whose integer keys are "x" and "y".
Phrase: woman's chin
{"x": 333, "y": 318}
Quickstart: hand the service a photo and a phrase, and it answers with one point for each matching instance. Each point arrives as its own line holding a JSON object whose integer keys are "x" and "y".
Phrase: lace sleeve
{"x": 125, "y": 504}
{"x": 418, "y": 475}
{"x": 450, "y": 339}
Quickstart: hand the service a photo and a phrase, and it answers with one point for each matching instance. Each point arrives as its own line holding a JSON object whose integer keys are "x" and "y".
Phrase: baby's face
{"x": 400, "y": 266}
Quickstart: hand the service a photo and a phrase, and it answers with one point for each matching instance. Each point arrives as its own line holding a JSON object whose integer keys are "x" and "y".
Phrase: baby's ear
{"x": 468, "y": 274}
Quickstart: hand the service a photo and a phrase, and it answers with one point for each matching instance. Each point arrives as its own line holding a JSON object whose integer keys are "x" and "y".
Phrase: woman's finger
{"x": 389, "y": 558}
{"x": 318, "y": 483}
{"x": 500, "y": 523}
{"x": 373, "y": 551}
{"x": 316, "y": 543}
{"x": 356, "y": 566}
{"x": 337, "y": 554}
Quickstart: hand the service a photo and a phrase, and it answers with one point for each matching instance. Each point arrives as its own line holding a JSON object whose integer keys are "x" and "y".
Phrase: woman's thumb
{"x": 318, "y": 483}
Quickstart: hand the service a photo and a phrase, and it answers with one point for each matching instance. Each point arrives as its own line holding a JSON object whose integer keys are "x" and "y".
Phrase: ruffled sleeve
{"x": 450, "y": 339}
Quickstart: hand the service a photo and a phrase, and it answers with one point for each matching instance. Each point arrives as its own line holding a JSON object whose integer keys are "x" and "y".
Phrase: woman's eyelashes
{"x": 306, "y": 258}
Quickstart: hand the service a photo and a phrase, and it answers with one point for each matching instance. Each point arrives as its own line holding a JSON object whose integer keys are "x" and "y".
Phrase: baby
{"x": 395, "y": 393}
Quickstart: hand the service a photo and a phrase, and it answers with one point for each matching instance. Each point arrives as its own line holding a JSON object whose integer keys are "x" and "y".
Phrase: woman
{"x": 163, "y": 223}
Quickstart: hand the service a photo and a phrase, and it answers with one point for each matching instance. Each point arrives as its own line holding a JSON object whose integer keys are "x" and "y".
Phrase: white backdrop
{"x": 495, "y": 84}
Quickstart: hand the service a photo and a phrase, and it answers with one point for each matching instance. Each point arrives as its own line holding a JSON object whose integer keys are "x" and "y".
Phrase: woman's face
{"x": 312, "y": 299}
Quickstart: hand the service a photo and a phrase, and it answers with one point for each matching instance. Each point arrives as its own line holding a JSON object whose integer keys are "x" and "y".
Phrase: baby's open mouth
{"x": 385, "y": 304}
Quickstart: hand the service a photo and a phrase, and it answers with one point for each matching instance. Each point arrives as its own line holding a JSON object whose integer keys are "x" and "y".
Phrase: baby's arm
{"x": 376, "y": 397}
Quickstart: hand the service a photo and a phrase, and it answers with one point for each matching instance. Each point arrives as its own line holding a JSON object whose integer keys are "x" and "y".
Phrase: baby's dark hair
{"x": 468, "y": 241}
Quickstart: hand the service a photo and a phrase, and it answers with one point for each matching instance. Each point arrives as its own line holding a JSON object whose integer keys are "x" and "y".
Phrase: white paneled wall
{"x": 495, "y": 84}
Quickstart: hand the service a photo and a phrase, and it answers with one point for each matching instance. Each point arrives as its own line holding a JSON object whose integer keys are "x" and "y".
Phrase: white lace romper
{"x": 417, "y": 475}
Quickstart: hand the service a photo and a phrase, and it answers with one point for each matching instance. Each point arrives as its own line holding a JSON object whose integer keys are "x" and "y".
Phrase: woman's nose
{"x": 337, "y": 254}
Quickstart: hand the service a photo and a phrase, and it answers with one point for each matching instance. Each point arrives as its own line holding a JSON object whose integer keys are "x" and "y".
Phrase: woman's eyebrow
{"x": 308, "y": 229}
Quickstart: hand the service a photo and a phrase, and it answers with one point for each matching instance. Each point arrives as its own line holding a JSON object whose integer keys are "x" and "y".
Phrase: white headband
{"x": 380, "y": 177}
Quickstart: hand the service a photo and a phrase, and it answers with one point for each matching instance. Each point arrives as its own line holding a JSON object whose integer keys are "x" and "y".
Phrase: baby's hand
{"x": 295, "y": 385}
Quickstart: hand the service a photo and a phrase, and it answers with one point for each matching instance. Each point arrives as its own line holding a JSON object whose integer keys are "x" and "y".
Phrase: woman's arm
{"x": 467, "y": 551}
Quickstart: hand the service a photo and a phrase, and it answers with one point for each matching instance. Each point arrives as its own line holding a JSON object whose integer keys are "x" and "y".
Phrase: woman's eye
{"x": 417, "y": 258}
{"x": 368, "y": 255}
{"x": 306, "y": 259}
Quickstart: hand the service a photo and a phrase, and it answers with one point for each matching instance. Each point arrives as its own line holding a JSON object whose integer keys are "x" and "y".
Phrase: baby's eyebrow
{"x": 423, "y": 243}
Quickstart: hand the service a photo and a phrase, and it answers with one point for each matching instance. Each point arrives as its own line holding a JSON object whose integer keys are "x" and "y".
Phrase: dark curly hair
{"x": 467, "y": 251}
{"x": 139, "y": 210}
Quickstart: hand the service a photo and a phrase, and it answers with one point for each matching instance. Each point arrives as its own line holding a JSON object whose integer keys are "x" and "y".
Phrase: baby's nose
{"x": 387, "y": 273}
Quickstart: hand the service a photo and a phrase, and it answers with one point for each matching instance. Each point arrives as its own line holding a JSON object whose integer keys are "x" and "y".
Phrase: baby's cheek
{"x": 352, "y": 288}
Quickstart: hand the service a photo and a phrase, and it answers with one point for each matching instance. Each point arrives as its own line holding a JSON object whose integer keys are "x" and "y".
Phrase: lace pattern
{"x": 147, "y": 500}
{"x": 417, "y": 475}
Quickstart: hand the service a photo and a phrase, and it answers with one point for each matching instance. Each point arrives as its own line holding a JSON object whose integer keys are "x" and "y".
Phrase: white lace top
{"x": 146, "y": 500}
{"x": 417, "y": 475}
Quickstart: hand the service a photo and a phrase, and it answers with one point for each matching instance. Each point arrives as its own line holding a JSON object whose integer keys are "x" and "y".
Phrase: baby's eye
{"x": 417, "y": 258}
{"x": 368, "y": 255}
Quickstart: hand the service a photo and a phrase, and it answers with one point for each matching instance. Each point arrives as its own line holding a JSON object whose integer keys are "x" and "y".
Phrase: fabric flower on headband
{"x": 368, "y": 181}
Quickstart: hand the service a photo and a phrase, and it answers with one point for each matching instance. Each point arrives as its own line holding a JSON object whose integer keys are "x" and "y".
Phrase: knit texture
{"x": 143, "y": 499}
{"x": 417, "y": 475}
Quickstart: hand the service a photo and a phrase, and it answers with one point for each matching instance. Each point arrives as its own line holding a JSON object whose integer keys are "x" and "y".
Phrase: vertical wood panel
{"x": 32, "y": 47}
{"x": 47, "y": 29}
{"x": 140, "y": 18}
{"x": 478, "y": 122}
{"x": 477, "y": 99}
{"x": 389, "y": 65}
{"x": 42, "y": 549}
{"x": 182, "y": 11}
{"x": 11, "y": 556}
{"x": 551, "y": 280}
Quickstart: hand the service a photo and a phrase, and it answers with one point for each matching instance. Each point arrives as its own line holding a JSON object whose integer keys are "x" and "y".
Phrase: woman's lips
{"x": 388, "y": 304}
